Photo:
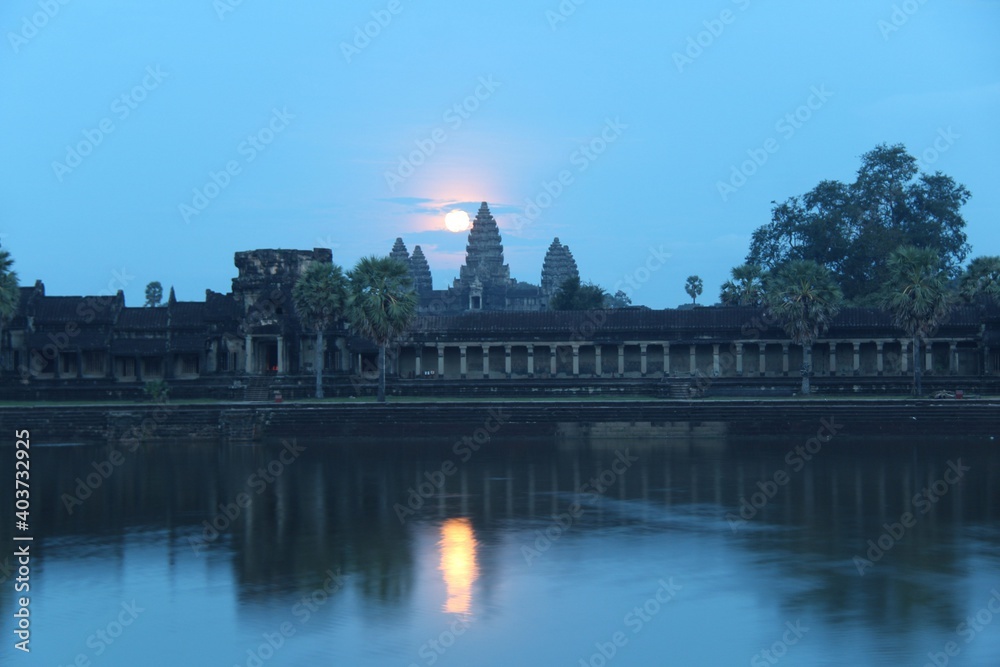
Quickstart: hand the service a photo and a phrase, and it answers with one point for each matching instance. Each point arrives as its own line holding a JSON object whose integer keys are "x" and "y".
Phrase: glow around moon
{"x": 456, "y": 221}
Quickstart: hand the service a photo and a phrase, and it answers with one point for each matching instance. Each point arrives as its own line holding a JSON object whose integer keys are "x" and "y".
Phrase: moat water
{"x": 608, "y": 546}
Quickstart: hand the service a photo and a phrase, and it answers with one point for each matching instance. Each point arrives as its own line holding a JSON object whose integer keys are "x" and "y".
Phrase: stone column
{"x": 531, "y": 360}
{"x": 553, "y": 368}
{"x": 486, "y": 361}
{"x": 953, "y": 357}
{"x": 463, "y": 363}
{"x": 879, "y": 357}
{"x": 904, "y": 357}
{"x": 986, "y": 361}
{"x": 692, "y": 350}
{"x": 762, "y": 358}
{"x": 857, "y": 357}
{"x": 621, "y": 360}
{"x": 739, "y": 359}
{"x": 666, "y": 359}
{"x": 784, "y": 359}
{"x": 79, "y": 363}
{"x": 138, "y": 368}
{"x": 281, "y": 355}
{"x": 597, "y": 360}
{"x": 506, "y": 360}
{"x": 833, "y": 357}
{"x": 715, "y": 360}
{"x": 576, "y": 361}
{"x": 642, "y": 359}
{"x": 928, "y": 357}
{"x": 440, "y": 349}
{"x": 249, "y": 353}
{"x": 418, "y": 353}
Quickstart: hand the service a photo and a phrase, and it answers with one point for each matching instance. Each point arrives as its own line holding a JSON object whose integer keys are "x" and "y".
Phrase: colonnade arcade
{"x": 763, "y": 358}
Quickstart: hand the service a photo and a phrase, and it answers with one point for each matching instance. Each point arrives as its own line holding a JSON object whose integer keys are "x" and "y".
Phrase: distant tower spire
{"x": 420, "y": 270}
{"x": 557, "y": 267}
{"x": 399, "y": 251}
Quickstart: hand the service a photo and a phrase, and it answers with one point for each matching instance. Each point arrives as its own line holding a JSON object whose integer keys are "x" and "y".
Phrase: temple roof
{"x": 141, "y": 319}
{"x": 724, "y": 322}
{"x": 84, "y": 310}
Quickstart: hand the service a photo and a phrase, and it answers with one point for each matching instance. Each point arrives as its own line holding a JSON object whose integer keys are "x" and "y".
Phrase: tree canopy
{"x": 154, "y": 294}
{"x": 573, "y": 295}
{"x": 853, "y": 228}
{"x": 693, "y": 286}
{"x": 981, "y": 279}
{"x": 745, "y": 286}
{"x": 320, "y": 295}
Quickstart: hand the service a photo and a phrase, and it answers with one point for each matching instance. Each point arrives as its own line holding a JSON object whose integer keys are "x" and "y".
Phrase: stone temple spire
{"x": 420, "y": 271}
{"x": 558, "y": 266}
{"x": 484, "y": 253}
{"x": 399, "y": 252}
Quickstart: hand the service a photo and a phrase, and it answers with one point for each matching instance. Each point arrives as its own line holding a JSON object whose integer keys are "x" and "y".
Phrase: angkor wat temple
{"x": 485, "y": 330}
{"x": 484, "y": 282}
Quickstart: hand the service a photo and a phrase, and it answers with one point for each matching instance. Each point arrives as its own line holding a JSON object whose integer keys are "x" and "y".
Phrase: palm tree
{"x": 320, "y": 295}
{"x": 693, "y": 287}
{"x": 805, "y": 297}
{"x": 917, "y": 296}
{"x": 745, "y": 287}
{"x": 981, "y": 278}
{"x": 10, "y": 295}
{"x": 380, "y": 304}
{"x": 154, "y": 294}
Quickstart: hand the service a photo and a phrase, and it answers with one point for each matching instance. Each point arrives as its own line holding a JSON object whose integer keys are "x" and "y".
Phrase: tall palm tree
{"x": 320, "y": 295}
{"x": 693, "y": 286}
{"x": 917, "y": 296}
{"x": 381, "y": 303}
{"x": 10, "y": 295}
{"x": 805, "y": 297}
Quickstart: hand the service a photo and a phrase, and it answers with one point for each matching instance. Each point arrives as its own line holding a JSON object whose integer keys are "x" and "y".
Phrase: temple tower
{"x": 484, "y": 253}
{"x": 399, "y": 252}
{"x": 557, "y": 267}
{"x": 420, "y": 270}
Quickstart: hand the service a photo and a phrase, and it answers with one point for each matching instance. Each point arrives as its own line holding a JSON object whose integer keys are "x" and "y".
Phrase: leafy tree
{"x": 154, "y": 294}
{"x": 853, "y": 228}
{"x": 619, "y": 300}
{"x": 804, "y": 296}
{"x": 693, "y": 287}
{"x": 918, "y": 297}
{"x": 981, "y": 279}
{"x": 745, "y": 287}
{"x": 320, "y": 295}
{"x": 381, "y": 303}
{"x": 573, "y": 295}
{"x": 10, "y": 295}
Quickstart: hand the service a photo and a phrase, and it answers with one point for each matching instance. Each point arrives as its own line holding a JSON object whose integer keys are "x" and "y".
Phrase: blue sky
{"x": 206, "y": 128}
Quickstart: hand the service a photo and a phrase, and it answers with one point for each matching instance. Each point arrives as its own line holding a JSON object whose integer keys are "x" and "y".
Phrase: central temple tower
{"x": 484, "y": 253}
{"x": 484, "y": 278}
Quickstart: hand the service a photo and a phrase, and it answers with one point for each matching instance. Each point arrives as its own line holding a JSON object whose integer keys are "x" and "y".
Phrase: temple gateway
{"x": 485, "y": 331}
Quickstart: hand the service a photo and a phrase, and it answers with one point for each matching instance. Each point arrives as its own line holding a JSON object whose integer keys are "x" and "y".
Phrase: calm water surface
{"x": 608, "y": 545}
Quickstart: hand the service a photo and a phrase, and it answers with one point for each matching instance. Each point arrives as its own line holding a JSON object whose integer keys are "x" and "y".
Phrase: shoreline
{"x": 252, "y": 421}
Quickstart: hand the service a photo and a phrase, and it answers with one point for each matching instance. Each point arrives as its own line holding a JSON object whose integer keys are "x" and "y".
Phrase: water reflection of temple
{"x": 333, "y": 510}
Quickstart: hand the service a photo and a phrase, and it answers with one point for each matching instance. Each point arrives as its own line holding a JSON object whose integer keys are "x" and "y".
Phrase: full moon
{"x": 456, "y": 221}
